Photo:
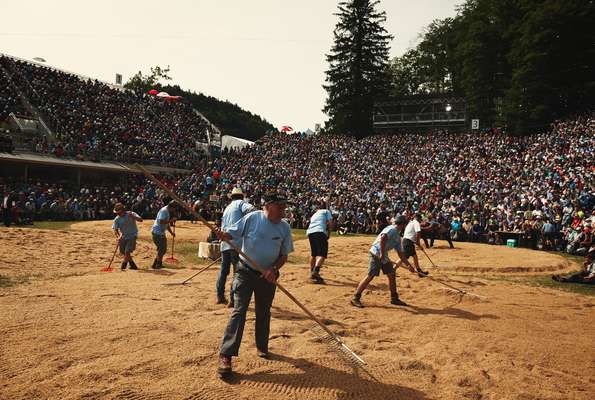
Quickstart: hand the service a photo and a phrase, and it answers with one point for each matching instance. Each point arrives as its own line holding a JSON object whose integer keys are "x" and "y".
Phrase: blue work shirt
{"x": 159, "y": 229}
{"x": 262, "y": 240}
{"x": 232, "y": 214}
{"x": 318, "y": 222}
{"x": 393, "y": 242}
{"x": 126, "y": 225}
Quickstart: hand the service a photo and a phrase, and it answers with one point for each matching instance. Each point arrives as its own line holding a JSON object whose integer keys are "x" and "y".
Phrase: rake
{"x": 463, "y": 292}
{"x": 329, "y": 337}
{"x": 192, "y": 277}
{"x": 343, "y": 351}
{"x": 171, "y": 258}
{"x": 432, "y": 262}
{"x": 109, "y": 267}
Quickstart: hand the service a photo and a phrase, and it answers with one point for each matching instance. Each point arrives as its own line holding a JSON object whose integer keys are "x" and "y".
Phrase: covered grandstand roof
{"x": 30, "y": 158}
{"x": 228, "y": 141}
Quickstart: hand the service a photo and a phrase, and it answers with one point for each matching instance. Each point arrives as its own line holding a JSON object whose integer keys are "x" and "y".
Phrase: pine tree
{"x": 358, "y": 71}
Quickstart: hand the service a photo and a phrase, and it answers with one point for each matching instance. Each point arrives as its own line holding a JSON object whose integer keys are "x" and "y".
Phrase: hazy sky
{"x": 268, "y": 56}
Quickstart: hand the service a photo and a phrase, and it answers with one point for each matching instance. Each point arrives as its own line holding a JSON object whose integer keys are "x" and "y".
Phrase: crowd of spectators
{"x": 488, "y": 186}
{"x": 9, "y": 99}
{"x": 92, "y": 120}
{"x": 477, "y": 186}
{"x": 36, "y": 200}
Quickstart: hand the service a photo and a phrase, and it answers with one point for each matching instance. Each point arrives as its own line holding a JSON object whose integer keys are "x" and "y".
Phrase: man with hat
{"x": 125, "y": 229}
{"x": 266, "y": 240}
{"x": 165, "y": 218}
{"x": 387, "y": 240}
{"x": 237, "y": 209}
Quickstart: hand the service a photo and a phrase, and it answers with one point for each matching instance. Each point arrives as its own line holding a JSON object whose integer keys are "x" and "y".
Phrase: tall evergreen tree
{"x": 358, "y": 71}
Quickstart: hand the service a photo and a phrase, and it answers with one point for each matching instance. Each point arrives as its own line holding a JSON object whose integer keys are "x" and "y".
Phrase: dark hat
{"x": 173, "y": 204}
{"x": 400, "y": 220}
{"x": 275, "y": 197}
{"x": 119, "y": 207}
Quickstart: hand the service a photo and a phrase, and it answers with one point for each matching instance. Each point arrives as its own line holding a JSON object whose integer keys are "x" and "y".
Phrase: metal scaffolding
{"x": 420, "y": 113}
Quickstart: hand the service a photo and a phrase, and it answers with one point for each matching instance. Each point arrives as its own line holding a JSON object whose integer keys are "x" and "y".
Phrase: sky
{"x": 267, "y": 56}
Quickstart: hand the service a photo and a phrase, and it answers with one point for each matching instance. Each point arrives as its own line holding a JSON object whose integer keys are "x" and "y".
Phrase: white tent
{"x": 230, "y": 142}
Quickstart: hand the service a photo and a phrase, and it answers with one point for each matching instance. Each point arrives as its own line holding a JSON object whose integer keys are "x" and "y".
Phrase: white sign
{"x": 118, "y": 79}
{"x": 474, "y": 124}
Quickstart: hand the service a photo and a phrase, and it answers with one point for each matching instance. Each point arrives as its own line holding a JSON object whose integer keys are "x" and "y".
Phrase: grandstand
{"x": 78, "y": 131}
{"x": 55, "y": 117}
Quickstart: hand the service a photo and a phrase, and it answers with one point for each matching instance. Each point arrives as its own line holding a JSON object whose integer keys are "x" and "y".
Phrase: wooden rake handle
{"x": 236, "y": 248}
{"x": 114, "y": 255}
{"x": 426, "y": 254}
{"x": 202, "y": 270}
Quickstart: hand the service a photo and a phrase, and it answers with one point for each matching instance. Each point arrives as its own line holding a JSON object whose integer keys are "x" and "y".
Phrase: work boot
{"x": 221, "y": 300}
{"x": 133, "y": 265}
{"x": 224, "y": 368}
{"x": 394, "y": 299}
{"x": 355, "y": 301}
{"x": 421, "y": 273}
{"x": 158, "y": 265}
{"x": 316, "y": 278}
{"x": 124, "y": 264}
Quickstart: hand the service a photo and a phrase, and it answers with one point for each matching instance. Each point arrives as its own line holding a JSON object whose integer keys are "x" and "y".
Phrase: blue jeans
{"x": 245, "y": 283}
{"x": 228, "y": 257}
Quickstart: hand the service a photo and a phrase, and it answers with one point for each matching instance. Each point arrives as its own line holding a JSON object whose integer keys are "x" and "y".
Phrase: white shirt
{"x": 411, "y": 230}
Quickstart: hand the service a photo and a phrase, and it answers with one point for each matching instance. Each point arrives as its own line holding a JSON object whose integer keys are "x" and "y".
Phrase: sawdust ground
{"x": 70, "y": 331}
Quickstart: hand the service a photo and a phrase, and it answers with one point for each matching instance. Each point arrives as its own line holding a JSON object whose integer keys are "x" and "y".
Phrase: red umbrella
{"x": 286, "y": 128}
{"x": 153, "y": 92}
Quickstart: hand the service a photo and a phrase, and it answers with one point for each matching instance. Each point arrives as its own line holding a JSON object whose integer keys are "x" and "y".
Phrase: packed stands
{"x": 96, "y": 121}
{"x": 483, "y": 186}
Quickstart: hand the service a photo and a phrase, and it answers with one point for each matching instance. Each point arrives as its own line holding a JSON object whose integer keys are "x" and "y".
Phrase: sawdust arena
{"x": 70, "y": 331}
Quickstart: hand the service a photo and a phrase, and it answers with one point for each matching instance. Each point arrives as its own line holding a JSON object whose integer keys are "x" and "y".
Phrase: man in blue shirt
{"x": 387, "y": 240}
{"x": 319, "y": 231}
{"x": 125, "y": 229}
{"x": 163, "y": 221}
{"x": 266, "y": 240}
{"x": 237, "y": 209}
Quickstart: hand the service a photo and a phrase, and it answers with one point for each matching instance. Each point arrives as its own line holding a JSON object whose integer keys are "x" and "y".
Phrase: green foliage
{"x": 51, "y": 225}
{"x": 516, "y": 62}
{"x": 140, "y": 83}
{"x": 230, "y": 118}
{"x": 358, "y": 71}
{"x": 553, "y": 62}
{"x": 429, "y": 67}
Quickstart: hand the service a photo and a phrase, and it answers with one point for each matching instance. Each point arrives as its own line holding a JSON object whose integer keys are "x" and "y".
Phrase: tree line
{"x": 517, "y": 63}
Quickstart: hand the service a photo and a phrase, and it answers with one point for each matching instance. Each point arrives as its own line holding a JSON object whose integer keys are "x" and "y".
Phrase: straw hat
{"x": 236, "y": 191}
